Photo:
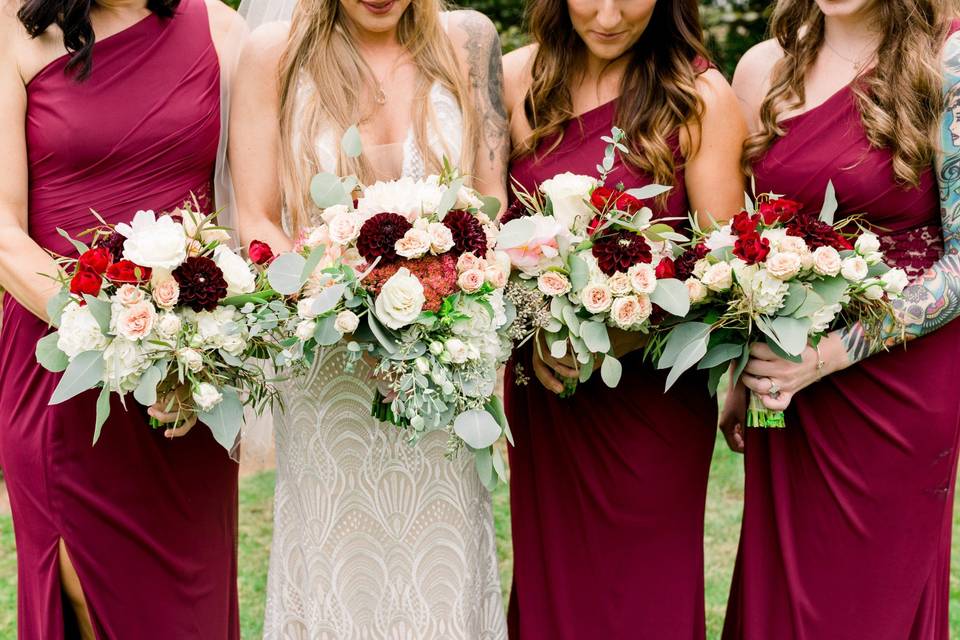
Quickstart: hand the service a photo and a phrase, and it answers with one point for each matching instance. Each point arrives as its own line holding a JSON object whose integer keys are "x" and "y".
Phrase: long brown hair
{"x": 658, "y": 93}
{"x": 900, "y": 99}
{"x": 320, "y": 50}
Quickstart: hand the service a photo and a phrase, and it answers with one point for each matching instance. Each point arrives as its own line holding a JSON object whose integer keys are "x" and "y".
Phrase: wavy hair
{"x": 320, "y": 50}
{"x": 72, "y": 17}
{"x": 900, "y": 100}
{"x": 658, "y": 93}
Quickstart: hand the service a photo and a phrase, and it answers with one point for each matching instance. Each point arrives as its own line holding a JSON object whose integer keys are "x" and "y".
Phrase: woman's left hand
{"x": 776, "y": 380}
{"x": 173, "y": 408}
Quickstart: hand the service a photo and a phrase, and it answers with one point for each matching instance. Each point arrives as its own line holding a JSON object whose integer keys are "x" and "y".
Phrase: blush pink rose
{"x": 136, "y": 321}
{"x": 552, "y": 283}
{"x": 128, "y": 295}
{"x": 471, "y": 281}
{"x": 166, "y": 293}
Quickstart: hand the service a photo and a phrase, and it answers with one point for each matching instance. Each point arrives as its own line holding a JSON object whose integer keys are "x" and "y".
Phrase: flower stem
{"x": 759, "y": 416}
{"x": 569, "y": 387}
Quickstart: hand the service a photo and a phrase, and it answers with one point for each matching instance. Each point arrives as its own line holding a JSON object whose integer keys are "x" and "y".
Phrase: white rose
{"x": 783, "y": 265}
{"x": 496, "y": 276}
{"x": 619, "y": 283}
{"x": 305, "y": 329}
{"x": 168, "y": 325}
{"x": 468, "y": 261}
{"x": 854, "y": 268}
{"x": 553, "y": 283}
{"x": 347, "y": 321}
{"x": 234, "y": 344}
{"x": 206, "y": 396}
{"x": 458, "y": 350}
{"x": 643, "y": 278}
{"x": 344, "y": 227}
{"x": 700, "y": 267}
{"x": 471, "y": 281}
{"x": 895, "y": 281}
{"x": 774, "y": 237}
{"x": 316, "y": 237}
{"x": 718, "y": 277}
{"x": 136, "y": 321}
{"x": 441, "y": 238}
{"x": 305, "y": 308}
{"x": 155, "y": 243}
{"x": 823, "y": 318}
{"x": 826, "y": 261}
{"x": 720, "y": 238}
{"x": 873, "y": 291}
{"x": 867, "y": 243}
{"x": 629, "y": 311}
{"x": 570, "y": 195}
{"x": 793, "y": 244}
{"x": 467, "y": 198}
{"x": 328, "y": 214}
{"x": 240, "y": 279}
{"x": 400, "y": 301}
{"x": 596, "y": 297}
{"x": 79, "y": 331}
{"x": 190, "y": 358}
{"x": 695, "y": 290}
{"x": 413, "y": 244}
{"x": 767, "y": 293}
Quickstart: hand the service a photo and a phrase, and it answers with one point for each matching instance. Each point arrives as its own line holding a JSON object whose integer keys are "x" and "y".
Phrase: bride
{"x": 373, "y": 538}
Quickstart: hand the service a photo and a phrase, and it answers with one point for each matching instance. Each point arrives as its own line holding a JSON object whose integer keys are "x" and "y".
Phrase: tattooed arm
{"x": 934, "y": 299}
{"x": 478, "y": 47}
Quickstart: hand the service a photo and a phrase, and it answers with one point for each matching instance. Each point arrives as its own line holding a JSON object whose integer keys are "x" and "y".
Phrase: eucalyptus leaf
{"x": 56, "y": 305}
{"x": 103, "y": 412}
{"x": 829, "y": 204}
{"x": 595, "y": 336}
{"x": 748, "y": 205}
{"x": 499, "y": 466}
{"x": 792, "y": 333}
{"x": 586, "y": 368}
{"x": 49, "y": 355}
{"x": 672, "y": 296}
{"x": 558, "y": 349}
{"x": 146, "y": 391}
{"x": 649, "y": 191}
{"x": 327, "y": 190}
{"x": 720, "y": 354}
{"x": 795, "y": 297}
{"x": 610, "y": 371}
{"x": 477, "y": 428}
{"x": 687, "y": 358}
{"x": 484, "y": 465}
{"x": 572, "y": 321}
{"x": 101, "y": 310}
{"x": 831, "y": 289}
{"x": 516, "y": 233}
{"x": 579, "y": 272}
{"x": 79, "y": 246}
{"x": 812, "y": 302}
{"x": 741, "y": 365}
{"x": 449, "y": 198}
{"x": 382, "y": 334}
{"x": 722, "y": 254}
{"x": 310, "y": 265}
{"x": 681, "y": 336}
{"x": 84, "y": 372}
{"x": 328, "y": 299}
{"x": 714, "y": 378}
{"x": 351, "y": 143}
{"x": 225, "y": 419}
{"x": 326, "y": 333}
{"x": 491, "y": 206}
{"x": 285, "y": 273}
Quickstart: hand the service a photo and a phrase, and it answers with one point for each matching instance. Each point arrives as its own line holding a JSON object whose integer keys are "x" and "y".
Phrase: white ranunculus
{"x": 854, "y": 268}
{"x": 895, "y": 281}
{"x": 718, "y": 277}
{"x": 784, "y": 265}
{"x": 767, "y": 293}
{"x": 569, "y": 194}
{"x": 400, "y": 301}
{"x": 720, "y": 238}
{"x": 79, "y": 331}
{"x": 867, "y": 243}
{"x": 190, "y": 358}
{"x": 347, "y": 321}
{"x": 152, "y": 242}
{"x": 206, "y": 396}
{"x": 826, "y": 261}
{"x": 240, "y": 279}
{"x": 823, "y": 318}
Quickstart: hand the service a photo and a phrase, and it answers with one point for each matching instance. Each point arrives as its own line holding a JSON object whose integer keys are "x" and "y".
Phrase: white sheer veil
{"x": 258, "y": 12}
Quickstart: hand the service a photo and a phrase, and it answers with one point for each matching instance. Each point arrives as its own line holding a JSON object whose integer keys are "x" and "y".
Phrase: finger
{"x": 545, "y": 377}
{"x": 183, "y": 429}
{"x": 157, "y": 413}
{"x": 780, "y": 403}
{"x": 761, "y": 351}
{"x": 761, "y": 368}
{"x": 565, "y": 371}
{"x": 759, "y": 386}
{"x": 740, "y": 444}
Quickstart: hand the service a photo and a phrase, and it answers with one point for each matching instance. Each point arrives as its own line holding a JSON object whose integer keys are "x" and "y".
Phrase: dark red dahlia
{"x": 468, "y": 233}
{"x": 817, "y": 233}
{"x": 782, "y": 210}
{"x": 751, "y": 248}
{"x": 620, "y": 250}
{"x": 685, "y": 263}
{"x": 379, "y": 234}
{"x": 515, "y": 211}
{"x": 201, "y": 283}
{"x": 114, "y": 244}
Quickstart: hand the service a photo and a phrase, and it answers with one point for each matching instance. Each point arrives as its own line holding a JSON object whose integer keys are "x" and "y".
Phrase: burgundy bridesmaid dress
{"x": 150, "y": 523}
{"x": 607, "y": 488}
{"x": 847, "y": 516}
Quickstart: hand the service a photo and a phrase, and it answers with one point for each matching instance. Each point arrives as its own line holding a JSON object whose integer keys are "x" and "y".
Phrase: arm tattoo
{"x": 932, "y": 300}
{"x": 486, "y": 81}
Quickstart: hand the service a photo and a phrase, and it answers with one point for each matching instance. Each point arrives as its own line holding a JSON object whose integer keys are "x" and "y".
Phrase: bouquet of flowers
{"x": 779, "y": 275}
{"x": 405, "y": 272}
{"x": 588, "y": 256}
{"x": 162, "y": 304}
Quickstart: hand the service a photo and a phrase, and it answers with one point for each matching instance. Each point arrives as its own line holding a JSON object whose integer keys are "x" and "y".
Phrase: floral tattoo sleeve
{"x": 933, "y": 299}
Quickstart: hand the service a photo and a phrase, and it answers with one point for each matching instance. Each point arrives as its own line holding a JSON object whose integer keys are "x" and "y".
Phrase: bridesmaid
{"x": 113, "y": 106}
{"x": 608, "y": 487}
{"x": 847, "y": 522}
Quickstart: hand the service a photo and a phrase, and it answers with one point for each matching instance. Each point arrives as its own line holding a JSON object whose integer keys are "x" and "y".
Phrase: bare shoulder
{"x": 265, "y": 46}
{"x": 517, "y": 74}
{"x": 751, "y": 80}
{"x": 224, "y": 21}
{"x": 466, "y": 25}
{"x": 716, "y": 92}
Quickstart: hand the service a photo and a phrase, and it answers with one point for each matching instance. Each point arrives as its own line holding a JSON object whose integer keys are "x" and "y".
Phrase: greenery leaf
{"x": 720, "y": 354}
{"x": 381, "y": 334}
{"x": 328, "y": 299}
{"x": 792, "y": 333}
{"x": 831, "y": 289}
{"x": 484, "y": 465}
{"x": 795, "y": 298}
{"x": 688, "y": 357}
{"x": 101, "y": 310}
{"x": 103, "y": 412}
{"x": 595, "y": 336}
{"x": 491, "y": 206}
{"x": 671, "y": 295}
{"x": 610, "y": 371}
{"x": 351, "y": 143}
{"x": 572, "y": 320}
{"x": 146, "y": 391}
{"x": 579, "y": 272}
{"x": 285, "y": 273}
{"x": 812, "y": 302}
{"x": 83, "y": 373}
{"x": 327, "y": 190}
{"x": 79, "y": 246}
{"x": 449, "y": 198}
{"x": 558, "y": 348}
{"x": 477, "y": 428}
{"x": 225, "y": 419}
{"x": 310, "y": 265}
{"x": 649, "y": 191}
{"x": 829, "y": 204}
{"x": 56, "y": 305}
{"x": 681, "y": 336}
{"x": 49, "y": 355}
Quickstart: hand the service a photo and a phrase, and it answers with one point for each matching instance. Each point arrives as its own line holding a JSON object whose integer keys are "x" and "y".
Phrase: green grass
{"x": 256, "y": 509}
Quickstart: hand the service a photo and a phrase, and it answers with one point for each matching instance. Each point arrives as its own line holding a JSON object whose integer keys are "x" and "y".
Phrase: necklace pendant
{"x": 380, "y": 97}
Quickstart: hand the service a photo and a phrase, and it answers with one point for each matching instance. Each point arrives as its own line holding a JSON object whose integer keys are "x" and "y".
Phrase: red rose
{"x": 752, "y": 248}
{"x": 600, "y": 198}
{"x": 743, "y": 224}
{"x": 781, "y": 210}
{"x": 594, "y": 225}
{"x": 604, "y": 197}
{"x": 85, "y": 281}
{"x": 96, "y": 260}
{"x": 626, "y": 202}
{"x": 260, "y": 252}
{"x": 127, "y": 272}
{"x": 666, "y": 269}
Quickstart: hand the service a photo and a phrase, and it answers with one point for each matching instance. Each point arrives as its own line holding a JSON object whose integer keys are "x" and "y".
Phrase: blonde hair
{"x": 320, "y": 50}
{"x": 900, "y": 101}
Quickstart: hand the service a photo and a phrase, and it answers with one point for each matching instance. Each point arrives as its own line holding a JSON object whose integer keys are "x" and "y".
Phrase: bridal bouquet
{"x": 778, "y": 275}
{"x": 163, "y": 304}
{"x": 586, "y": 257}
{"x": 406, "y": 274}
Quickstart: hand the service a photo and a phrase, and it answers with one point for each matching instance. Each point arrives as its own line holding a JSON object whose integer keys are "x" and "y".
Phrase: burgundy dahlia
{"x": 379, "y": 234}
{"x": 816, "y": 233}
{"x": 515, "y": 211}
{"x": 620, "y": 250}
{"x": 201, "y": 283}
{"x": 687, "y": 261}
{"x": 114, "y": 244}
{"x": 468, "y": 233}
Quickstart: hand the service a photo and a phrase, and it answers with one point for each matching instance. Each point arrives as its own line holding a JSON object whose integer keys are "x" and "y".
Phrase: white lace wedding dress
{"x": 374, "y": 538}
